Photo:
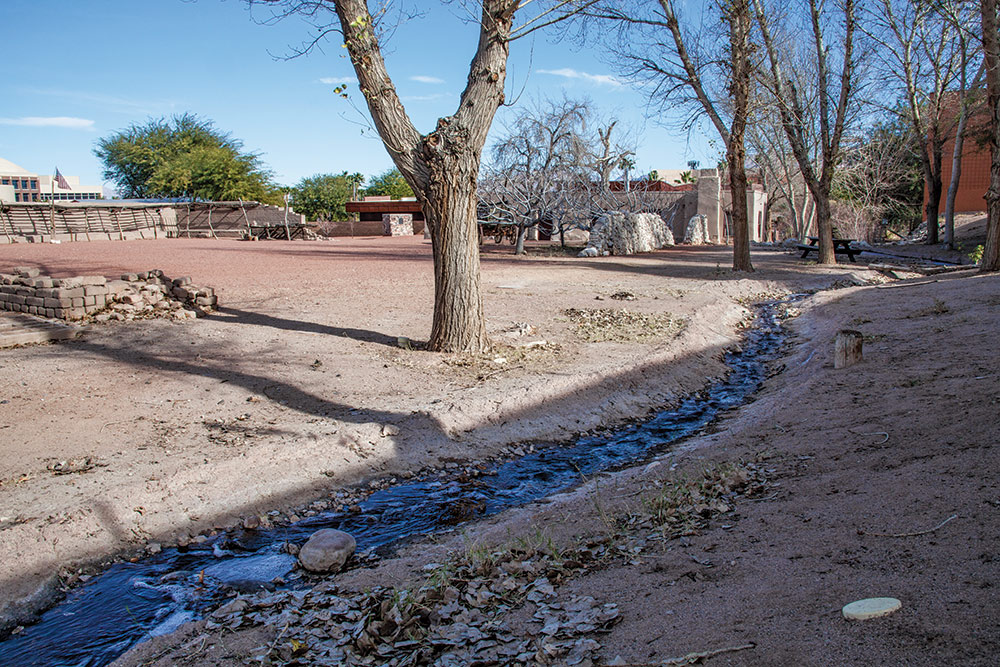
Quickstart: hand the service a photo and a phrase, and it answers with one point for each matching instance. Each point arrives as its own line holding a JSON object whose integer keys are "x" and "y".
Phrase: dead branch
{"x": 693, "y": 658}
{"x": 916, "y": 534}
{"x": 894, "y": 286}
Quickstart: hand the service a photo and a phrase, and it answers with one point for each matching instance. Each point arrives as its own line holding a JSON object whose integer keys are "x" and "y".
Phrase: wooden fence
{"x": 36, "y": 222}
{"x": 84, "y": 222}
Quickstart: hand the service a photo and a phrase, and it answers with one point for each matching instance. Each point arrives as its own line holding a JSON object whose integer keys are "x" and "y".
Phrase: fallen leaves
{"x": 620, "y": 325}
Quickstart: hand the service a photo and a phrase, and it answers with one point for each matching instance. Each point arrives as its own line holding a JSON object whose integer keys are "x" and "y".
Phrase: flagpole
{"x": 52, "y": 205}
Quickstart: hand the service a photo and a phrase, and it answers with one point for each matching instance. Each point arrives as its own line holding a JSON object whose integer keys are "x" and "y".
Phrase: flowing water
{"x": 130, "y": 602}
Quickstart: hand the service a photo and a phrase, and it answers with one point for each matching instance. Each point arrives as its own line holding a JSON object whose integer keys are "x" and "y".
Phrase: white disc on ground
{"x": 861, "y": 610}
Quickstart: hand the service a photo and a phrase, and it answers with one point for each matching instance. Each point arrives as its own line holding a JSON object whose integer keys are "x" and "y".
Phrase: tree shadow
{"x": 237, "y": 316}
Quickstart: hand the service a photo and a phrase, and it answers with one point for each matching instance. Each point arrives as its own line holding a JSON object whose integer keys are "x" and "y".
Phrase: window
{"x": 34, "y": 196}
{"x": 24, "y": 184}
{"x": 34, "y": 184}
{"x": 17, "y": 196}
{"x": 5, "y": 181}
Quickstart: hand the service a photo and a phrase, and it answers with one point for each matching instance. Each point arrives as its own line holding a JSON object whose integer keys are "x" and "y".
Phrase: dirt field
{"x": 312, "y": 392}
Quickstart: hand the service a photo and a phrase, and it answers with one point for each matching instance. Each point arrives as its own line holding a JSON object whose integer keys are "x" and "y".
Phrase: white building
{"x": 17, "y": 185}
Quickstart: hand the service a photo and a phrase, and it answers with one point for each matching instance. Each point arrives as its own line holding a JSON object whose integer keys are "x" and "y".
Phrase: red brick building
{"x": 975, "y": 177}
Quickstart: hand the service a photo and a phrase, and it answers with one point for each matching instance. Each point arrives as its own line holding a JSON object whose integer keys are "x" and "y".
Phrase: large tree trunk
{"x": 739, "y": 90}
{"x": 741, "y": 224}
{"x": 991, "y": 53}
{"x": 824, "y": 228}
{"x": 459, "y": 324}
{"x": 442, "y": 166}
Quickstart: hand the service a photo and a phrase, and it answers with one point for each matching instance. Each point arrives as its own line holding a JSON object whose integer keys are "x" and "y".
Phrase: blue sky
{"x": 78, "y": 70}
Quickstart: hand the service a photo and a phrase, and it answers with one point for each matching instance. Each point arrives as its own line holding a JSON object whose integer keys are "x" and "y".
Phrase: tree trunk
{"x": 741, "y": 227}
{"x": 459, "y": 324}
{"x": 739, "y": 90}
{"x": 956, "y": 175}
{"x": 991, "y": 54}
{"x": 824, "y": 227}
{"x": 932, "y": 181}
{"x": 522, "y": 232}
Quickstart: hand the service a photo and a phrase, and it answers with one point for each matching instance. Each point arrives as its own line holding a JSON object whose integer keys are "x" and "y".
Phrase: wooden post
{"x": 246, "y": 219}
{"x": 114, "y": 216}
{"x": 189, "y": 219}
{"x": 288, "y": 234}
{"x": 210, "y": 228}
{"x": 52, "y": 207}
{"x": 86, "y": 222}
{"x": 4, "y": 213}
{"x": 847, "y": 348}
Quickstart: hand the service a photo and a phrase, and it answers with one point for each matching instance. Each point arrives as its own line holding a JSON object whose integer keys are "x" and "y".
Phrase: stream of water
{"x": 130, "y": 602}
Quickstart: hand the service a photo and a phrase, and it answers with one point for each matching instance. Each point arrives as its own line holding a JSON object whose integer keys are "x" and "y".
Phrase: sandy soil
{"x": 298, "y": 382}
{"x": 179, "y": 416}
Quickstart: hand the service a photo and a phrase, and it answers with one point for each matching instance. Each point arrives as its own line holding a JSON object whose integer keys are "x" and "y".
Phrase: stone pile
{"x": 627, "y": 234}
{"x": 134, "y": 296}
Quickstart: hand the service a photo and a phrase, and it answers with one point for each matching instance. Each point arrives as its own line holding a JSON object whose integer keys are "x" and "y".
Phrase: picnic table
{"x": 840, "y": 247}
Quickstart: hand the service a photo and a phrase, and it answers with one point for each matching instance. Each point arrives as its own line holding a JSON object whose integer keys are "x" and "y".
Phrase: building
{"x": 975, "y": 177}
{"x": 22, "y": 183}
{"x": 26, "y": 186}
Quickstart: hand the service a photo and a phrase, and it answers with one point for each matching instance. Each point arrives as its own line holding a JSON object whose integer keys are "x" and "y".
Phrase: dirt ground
{"x": 312, "y": 392}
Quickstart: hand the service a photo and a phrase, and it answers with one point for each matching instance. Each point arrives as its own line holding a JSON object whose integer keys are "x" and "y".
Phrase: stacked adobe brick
{"x": 134, "y": 296}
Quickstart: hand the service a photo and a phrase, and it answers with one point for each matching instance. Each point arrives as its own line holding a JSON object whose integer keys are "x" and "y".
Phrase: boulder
{"x": 627, "y": 234}
{"x": 327, "y": 550}
{"x": 696, "y": 232}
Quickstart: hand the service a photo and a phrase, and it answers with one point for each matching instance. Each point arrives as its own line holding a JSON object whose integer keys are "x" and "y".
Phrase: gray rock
{"x": 627, "y": 233}
{"x": 697, "y": 230}
{"x": 327, "y": 550}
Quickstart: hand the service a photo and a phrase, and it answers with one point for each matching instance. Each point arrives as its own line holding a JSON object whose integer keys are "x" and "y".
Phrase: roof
{"x": 394, "y": 206}
{"x": 8, "y": 168}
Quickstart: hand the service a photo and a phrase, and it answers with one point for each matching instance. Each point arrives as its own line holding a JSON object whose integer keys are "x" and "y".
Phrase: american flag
{"x": 61, "y": 181}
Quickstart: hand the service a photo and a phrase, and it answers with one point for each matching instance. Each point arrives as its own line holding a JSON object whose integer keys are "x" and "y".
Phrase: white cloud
{"x": 337, "y": 80}
{"x": 600, "y": 79}
{"x": 50, "y": 121}
{"x": 420, "y": 78}
{"x": 106, "y": 102}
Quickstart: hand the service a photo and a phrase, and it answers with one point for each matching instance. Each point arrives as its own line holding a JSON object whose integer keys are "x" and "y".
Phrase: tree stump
{"x": 847, "y": 349}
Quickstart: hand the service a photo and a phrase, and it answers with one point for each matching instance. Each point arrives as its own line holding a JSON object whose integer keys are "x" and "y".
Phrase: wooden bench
{"x": 840, "y": 247}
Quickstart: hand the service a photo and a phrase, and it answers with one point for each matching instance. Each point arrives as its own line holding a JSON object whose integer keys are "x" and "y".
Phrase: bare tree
{"x": 655, "y": 47}
{"x": 924, "y": 50}
{"x": 772, "y": 157}
{"x": 990, "y": 24}
{"x": 554, "y": 164}
{"x": 543, "y": 153}
{"x": 866, "y": 183}
{"x": 441, "y": 166}
{"x": 961, "y": 15}
{"x": 825, "y": 113}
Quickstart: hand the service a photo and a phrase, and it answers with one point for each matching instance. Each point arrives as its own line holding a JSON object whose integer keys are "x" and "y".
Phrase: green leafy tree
{"x": 323, "y": 196}
{"x": 389, "y": 183}
{"x": 184, "y": 156}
